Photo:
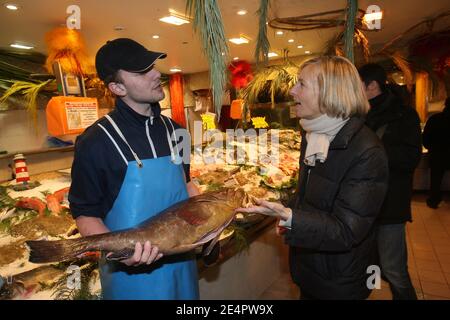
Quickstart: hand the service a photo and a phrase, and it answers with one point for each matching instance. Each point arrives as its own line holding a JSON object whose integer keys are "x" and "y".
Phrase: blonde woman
{"x": 342, "y": 184}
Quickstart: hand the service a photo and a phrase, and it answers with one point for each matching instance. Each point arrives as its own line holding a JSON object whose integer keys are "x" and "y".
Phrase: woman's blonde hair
{"x": 341, "y": 93}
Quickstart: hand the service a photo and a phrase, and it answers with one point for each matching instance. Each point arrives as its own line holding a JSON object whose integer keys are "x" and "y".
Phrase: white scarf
{"x": 319, "y": 134}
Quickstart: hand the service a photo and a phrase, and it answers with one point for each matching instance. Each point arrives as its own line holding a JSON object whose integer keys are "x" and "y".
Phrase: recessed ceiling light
{"x": 242, "y": 12}
{"x": 240, "y": 40}
{"x": 236, "y": 58}
{"x": 300, "y": 47}
{"x": 279, "y": 33}
{"x": 155, "y": 36}
{"x": 272, "y": 54}
{"x": 175, "y": 69}
{"x": 307, "y": 52}
{"x": 291, "y": 40}
{"x": 175, "y": 20}
{"x": 20, "y": 46}
{"x": 12, "y": 7}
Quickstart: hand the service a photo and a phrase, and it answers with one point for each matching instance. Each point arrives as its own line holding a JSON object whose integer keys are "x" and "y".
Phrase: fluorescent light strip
{"x": 175, "y": 70}
{"x": 20, "y": 46}
{"x": 174, "y": 20}
{"x": 272, "y": 54}
{"x": 240, "y": 40}
{"x": 12, "y": 7}
{"x": 373, "y": 16}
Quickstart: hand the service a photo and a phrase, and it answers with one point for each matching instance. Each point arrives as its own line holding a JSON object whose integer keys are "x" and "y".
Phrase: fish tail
{"x": 56, "y": 251}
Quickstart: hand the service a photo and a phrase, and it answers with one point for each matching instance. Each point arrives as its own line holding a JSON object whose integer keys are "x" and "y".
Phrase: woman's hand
{"x": 267, "y": 208}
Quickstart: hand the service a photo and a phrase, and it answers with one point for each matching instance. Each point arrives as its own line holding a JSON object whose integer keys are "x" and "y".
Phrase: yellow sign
{"x": 259, "y": 122}
{"x": 208, "y": 121}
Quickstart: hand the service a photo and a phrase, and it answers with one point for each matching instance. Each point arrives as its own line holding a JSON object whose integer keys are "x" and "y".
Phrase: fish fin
{"x": 56, "y": 251}
{"x": 212, "y": 253}
{"x": 120, "y": 255}
{"x": 209, "y": 247}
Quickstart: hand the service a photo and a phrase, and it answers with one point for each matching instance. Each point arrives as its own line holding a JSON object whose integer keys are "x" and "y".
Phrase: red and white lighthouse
{"x": 22, "y": 174}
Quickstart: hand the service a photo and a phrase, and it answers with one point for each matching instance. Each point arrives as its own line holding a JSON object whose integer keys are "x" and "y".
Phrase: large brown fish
{"x": 178, "y": 229}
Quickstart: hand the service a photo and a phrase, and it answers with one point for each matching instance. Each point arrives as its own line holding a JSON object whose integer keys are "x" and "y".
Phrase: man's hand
{"x": 146, "y": 255}
{"x": 267, "y": 208}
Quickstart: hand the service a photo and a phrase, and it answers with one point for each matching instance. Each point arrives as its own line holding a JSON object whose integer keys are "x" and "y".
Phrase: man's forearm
{"x": 88, "y": 226}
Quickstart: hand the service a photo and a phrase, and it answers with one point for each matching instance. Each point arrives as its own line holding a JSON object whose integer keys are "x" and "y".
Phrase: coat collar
{"x": 345, "y": 135}
{"x": 133, "y": 117}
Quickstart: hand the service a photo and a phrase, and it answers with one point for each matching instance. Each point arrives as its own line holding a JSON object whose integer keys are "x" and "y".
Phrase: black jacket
{"x": 402, "y": 141}
{"x": 332, "y": 236}
{"x": 436, "y": 138}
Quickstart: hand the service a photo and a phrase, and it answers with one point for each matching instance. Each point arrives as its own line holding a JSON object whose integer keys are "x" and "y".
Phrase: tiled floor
{"x": 428, "y": 239}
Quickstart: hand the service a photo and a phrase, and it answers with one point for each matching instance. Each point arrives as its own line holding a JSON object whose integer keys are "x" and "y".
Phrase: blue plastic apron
{"x": 149, "y": 187}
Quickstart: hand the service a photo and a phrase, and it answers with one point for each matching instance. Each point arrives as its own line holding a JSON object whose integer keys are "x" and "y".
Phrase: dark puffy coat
{"x": 332, "y": 237}
{"x": 402, "y": 142}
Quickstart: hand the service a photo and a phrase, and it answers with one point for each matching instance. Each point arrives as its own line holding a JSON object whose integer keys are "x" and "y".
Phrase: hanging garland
{"x": 208, "y": 23}
{"x": 262, "y": 43}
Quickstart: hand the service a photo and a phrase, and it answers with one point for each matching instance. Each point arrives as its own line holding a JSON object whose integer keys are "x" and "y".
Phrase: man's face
{"x": 372, "y": 89}
{"x": 143, "y": 87}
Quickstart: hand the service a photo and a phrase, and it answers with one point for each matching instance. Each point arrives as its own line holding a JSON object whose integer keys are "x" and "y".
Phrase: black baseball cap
{"x": 124, "y": 54}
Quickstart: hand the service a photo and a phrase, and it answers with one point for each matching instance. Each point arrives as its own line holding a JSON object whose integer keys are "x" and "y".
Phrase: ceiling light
{"x": 272, "y": 54}
{"x": 236, "y": 58}
{"x": 307, "y": 52}
{"x": 12, "y": 7}
{"x": 300, "y": 47}
{"x": 242, "y": 12}
{"x": 291, "y": 40}
{"x": 175, "y": 69}
{"x": 155, "y": 36}
{"x": 20, "y": 46}
{"x": 116, "y": 28}
{"x": 373, "y": 16}
{"x": 240, "y": 40}
{"x": 175, "y": 20}
{"x": 279, "y": 33}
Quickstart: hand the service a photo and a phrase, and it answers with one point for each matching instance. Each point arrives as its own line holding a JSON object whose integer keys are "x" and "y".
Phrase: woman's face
{"x": 306, "y": 94}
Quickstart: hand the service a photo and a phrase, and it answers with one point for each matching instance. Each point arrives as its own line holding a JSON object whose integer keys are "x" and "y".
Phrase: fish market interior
{"x": 222, "y": 86}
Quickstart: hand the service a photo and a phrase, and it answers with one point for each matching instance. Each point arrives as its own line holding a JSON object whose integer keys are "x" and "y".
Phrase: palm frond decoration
{"x": 363, "y": 43}
{"x": 208, "y": 23}
{"x": 30, "y": 91}
{"x": 334, "y": 46}
{"x": 262, "y": 43}
{"x": 402, "y": 63}
{"x": 273, "y": 81}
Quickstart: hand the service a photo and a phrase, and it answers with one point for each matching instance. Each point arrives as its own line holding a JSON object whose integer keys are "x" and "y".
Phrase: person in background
{"x": 125, "y": 170}
{"x": 436, "y": 138}
{"x": 342, "y": 183}
{"x": 398, "y": 127}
